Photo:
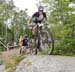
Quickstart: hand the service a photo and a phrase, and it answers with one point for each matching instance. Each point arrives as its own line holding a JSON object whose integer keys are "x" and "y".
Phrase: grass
{"x": 29, "y": 63}
{"x": 11, "y": 63}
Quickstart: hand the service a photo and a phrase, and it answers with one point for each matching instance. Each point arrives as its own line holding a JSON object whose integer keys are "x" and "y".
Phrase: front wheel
{"x": 47, "y": 42}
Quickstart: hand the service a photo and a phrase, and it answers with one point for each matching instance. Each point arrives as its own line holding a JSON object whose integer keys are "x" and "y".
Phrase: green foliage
{"x": 18, "y": 58}
{"x": 28, "y": 32}
{"x": 64, "y": 42}
{"x": 61, "y": 15}
{"x": 1, "y": 48}
{"x": 65, "y": 47}
{"x": 12, "y": 62}
{"x": 12, "y": 21}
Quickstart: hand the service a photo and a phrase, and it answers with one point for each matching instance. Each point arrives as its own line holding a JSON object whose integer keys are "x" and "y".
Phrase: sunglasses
{"x": 40, "y": 10}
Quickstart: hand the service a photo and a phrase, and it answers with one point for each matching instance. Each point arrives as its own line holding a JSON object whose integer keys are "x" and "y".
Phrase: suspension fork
{"x": 38, "y": 38}
{"x": 39, "y": 35}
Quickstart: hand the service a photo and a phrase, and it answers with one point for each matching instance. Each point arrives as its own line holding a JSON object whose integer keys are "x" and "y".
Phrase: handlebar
{"x": 39, "y": 24}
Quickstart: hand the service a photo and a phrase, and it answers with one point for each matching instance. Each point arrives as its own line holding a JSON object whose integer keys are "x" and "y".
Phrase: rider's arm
{"x": 46, "y": 20}
{"x": 32, "y": 18}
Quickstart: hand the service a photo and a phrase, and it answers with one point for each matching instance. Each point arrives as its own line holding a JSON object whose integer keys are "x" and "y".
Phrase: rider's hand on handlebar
{"x": 46, "y": 22}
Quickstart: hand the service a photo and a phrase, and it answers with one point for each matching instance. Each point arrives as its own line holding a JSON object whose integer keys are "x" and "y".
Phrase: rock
{"x": 2, "y": 68}
{"x": 47, "y": 64}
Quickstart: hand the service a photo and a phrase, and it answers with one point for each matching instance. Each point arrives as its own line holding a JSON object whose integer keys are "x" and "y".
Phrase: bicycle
{"x": 23, "y": 50}
{"x": 43, "y": 40}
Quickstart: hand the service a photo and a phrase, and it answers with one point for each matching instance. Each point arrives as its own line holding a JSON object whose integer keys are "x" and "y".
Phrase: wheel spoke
{"x": 47, "y": 42}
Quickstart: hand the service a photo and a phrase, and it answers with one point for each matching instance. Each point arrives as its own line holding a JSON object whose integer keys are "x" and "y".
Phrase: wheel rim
{"x": 47, "y": 42}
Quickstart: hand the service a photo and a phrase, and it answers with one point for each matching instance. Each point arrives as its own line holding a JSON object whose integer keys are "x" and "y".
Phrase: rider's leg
{"x": 38, "y": 45}
{"x": 34, "y": 30}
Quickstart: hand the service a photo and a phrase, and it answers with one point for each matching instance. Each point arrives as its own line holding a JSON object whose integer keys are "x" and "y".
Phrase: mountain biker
{"x": 20, "y": 41}
{"x": 38, "y": 17}
{"x": 25, "y": 42}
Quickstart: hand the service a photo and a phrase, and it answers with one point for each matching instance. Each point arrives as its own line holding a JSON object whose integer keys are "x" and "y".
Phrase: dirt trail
{"x": 9, "y": 53}
{"x": 5, "y": 56}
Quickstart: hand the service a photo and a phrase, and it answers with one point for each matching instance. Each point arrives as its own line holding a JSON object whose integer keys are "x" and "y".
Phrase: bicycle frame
{"x": 41, "y": 41}
{"x": 39, "y": 35}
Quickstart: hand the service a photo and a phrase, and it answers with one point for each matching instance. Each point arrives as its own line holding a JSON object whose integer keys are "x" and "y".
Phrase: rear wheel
{"x": 22, "y": 50}
{"x": 32, "y": 45}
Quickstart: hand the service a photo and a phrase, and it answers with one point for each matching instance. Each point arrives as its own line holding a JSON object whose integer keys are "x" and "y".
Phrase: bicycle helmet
{"x": 40, "y": 8}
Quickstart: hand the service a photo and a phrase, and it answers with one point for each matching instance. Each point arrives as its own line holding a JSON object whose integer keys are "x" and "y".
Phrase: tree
{"x": 61, "y": 15}
{"x": 12, "y": 21}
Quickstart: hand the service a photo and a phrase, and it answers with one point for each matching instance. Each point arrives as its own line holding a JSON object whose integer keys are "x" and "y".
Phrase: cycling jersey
{"x": 37, "y": 18}
{"x": 25, "y": 42}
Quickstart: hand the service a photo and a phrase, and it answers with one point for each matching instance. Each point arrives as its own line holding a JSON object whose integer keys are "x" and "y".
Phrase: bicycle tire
{"x": 34, "y": 42}
{"x": 48, "y": 35}
{"x": 22, "y": 51}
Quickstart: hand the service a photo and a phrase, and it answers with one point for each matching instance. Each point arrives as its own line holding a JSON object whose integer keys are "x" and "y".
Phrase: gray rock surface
{"x": 46, "y": 63}
{"x": 2, "y": 68}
